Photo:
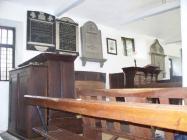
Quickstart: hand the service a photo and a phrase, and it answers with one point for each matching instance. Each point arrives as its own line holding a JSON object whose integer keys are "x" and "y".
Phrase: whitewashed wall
{"x": 15, "y": 16}
{"x": 175, "y": 55}
{"x": 184, "y": 41}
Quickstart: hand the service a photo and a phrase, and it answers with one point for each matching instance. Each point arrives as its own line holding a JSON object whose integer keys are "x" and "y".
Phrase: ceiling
{"x": 115, "y": 14}
{"x": 166, "y": 26}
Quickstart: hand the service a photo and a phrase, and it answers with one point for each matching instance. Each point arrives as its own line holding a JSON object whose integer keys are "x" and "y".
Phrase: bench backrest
{"x": 175, "y": 96}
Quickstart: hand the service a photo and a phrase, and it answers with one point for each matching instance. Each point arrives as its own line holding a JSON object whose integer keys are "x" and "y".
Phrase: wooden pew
{"x": 148, "y": 95}
{"x": 170, "y": 117}
{"x": 143, "y": 115}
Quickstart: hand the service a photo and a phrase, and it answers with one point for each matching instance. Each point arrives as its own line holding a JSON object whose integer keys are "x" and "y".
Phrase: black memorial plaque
{"x": 40, "y": 31}
{"x": 67, "y": 36}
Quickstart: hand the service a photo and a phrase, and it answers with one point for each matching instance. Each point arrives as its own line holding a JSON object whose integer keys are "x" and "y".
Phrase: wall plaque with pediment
{"x": 40, "y": 31}
{"x": 158, "y": 57}
{"x": 91, "y": 44}
{"x": 66, "y": 35}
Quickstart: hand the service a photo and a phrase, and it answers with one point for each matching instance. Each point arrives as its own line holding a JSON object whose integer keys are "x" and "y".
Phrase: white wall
{"x": 4, "y": 88}
{"x": 142, "y": 45}
{"x": 12, "y": 16}
{"x": 184, "y": 40}
{"x": 16, "y": 17}
{"x": 115, "y": 63}
{"x": 175, "y": 55}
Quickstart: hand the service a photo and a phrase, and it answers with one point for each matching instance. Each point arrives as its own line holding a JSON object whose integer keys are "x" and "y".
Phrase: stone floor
{"x": 7, "y": 136}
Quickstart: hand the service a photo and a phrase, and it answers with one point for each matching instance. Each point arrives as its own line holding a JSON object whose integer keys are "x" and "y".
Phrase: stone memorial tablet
{"x": 40, "y": 31}
{"x": 66, "y": 35}
{"x": 91, "y": 44}
{"x": 158, "y": 58}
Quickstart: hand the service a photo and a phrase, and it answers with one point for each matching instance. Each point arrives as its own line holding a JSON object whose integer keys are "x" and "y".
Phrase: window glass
{"x": 6, "y": 51}
{"x": 129, "y": 47}
{"x": 4, "y": 36}
{"x": 10, "y": 37}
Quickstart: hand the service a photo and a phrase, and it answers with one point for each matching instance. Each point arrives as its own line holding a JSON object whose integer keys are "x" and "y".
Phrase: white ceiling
{"x": 114, "y": 13}
{"x": 165, "y": 26}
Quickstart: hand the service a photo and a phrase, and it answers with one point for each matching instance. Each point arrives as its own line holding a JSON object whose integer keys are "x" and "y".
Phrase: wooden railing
{"x": 125, "y": 113}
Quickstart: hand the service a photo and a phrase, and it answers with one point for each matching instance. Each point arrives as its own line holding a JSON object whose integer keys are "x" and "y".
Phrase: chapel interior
{"x": 93, "y": 70}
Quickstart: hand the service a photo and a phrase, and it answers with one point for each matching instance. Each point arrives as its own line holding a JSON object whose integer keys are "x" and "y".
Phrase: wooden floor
{"x": 7, "y": 136}
{"x": 108, "y": 137}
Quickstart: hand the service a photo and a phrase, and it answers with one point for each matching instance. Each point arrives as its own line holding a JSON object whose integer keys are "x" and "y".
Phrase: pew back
{"x": 176, "y": 96}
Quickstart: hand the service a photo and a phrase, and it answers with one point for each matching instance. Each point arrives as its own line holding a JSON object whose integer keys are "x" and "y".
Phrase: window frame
{"x": 9, "y": 46}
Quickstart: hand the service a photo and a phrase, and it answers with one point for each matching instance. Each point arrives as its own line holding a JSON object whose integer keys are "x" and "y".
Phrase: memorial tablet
{"x": 66, "y": 35}
{"x": 40, "y": 31}
{"x": 91, "y": 44}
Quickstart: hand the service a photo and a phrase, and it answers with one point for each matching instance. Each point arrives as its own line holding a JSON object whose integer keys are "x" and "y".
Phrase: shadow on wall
{"x": 4, "y": 101}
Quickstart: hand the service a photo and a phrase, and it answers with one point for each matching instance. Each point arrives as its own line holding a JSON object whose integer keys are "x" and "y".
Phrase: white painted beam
{"x": 173, "y": 42}
{"x": 62, "y": 9}
{"x": 154, "y": 11}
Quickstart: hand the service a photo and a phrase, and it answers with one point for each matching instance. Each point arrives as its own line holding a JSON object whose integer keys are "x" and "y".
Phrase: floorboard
{"x": 7, "y": 136}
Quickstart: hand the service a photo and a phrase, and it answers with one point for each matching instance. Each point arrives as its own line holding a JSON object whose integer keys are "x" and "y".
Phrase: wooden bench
{"x": 148, "y": 95}
{"x": 124, "y": 113}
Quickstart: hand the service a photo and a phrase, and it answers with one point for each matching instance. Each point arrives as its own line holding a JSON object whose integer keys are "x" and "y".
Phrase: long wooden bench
{"x": 125, "y": 113}
{"x": 148, "y": 95}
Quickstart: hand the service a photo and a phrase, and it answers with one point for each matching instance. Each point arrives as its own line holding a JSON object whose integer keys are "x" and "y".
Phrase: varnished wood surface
{"x": 116, "y": 80}
{"x": 49, "y": 75}
{"x": 164, "y": 116}
{"x": 141, "y": 92}
{"x": 145, "y": 78}
{"x": 89, "y": 85}
{"x": 22, "y": 118}
{"x": 138, "y": 76}
{"x": 89, "y": 80}
{"x": 162, "y": 85}
{"x": 43, "y": 57}
{"x": 137, "y": 132}
{"x": 90, "y": 76}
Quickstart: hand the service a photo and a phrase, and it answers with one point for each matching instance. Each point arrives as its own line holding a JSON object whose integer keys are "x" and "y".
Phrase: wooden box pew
{"x": 153, "y": 115}
{"x": 148, "y": 95}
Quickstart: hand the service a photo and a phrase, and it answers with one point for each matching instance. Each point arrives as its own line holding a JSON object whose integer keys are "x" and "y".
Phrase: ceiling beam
{"x": 154, "y": 11}
{"x": 173, "y": 42}
{"x": 62, "y": 9}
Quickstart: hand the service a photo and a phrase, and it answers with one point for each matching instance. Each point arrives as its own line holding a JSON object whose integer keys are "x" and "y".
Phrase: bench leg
{"x": 92, "y": 133}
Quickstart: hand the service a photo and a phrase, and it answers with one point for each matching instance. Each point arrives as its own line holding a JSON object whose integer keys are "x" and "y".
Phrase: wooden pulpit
{"x": 137, "y": 77}
{"x": 47, "y": 74}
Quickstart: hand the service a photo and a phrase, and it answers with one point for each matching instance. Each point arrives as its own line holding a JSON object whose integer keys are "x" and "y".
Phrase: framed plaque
{"x": 40, "y": 31}
{"x": 111, "y": 46}
{"x": 91, "y": 41}
{"x": 66, "y": 35}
